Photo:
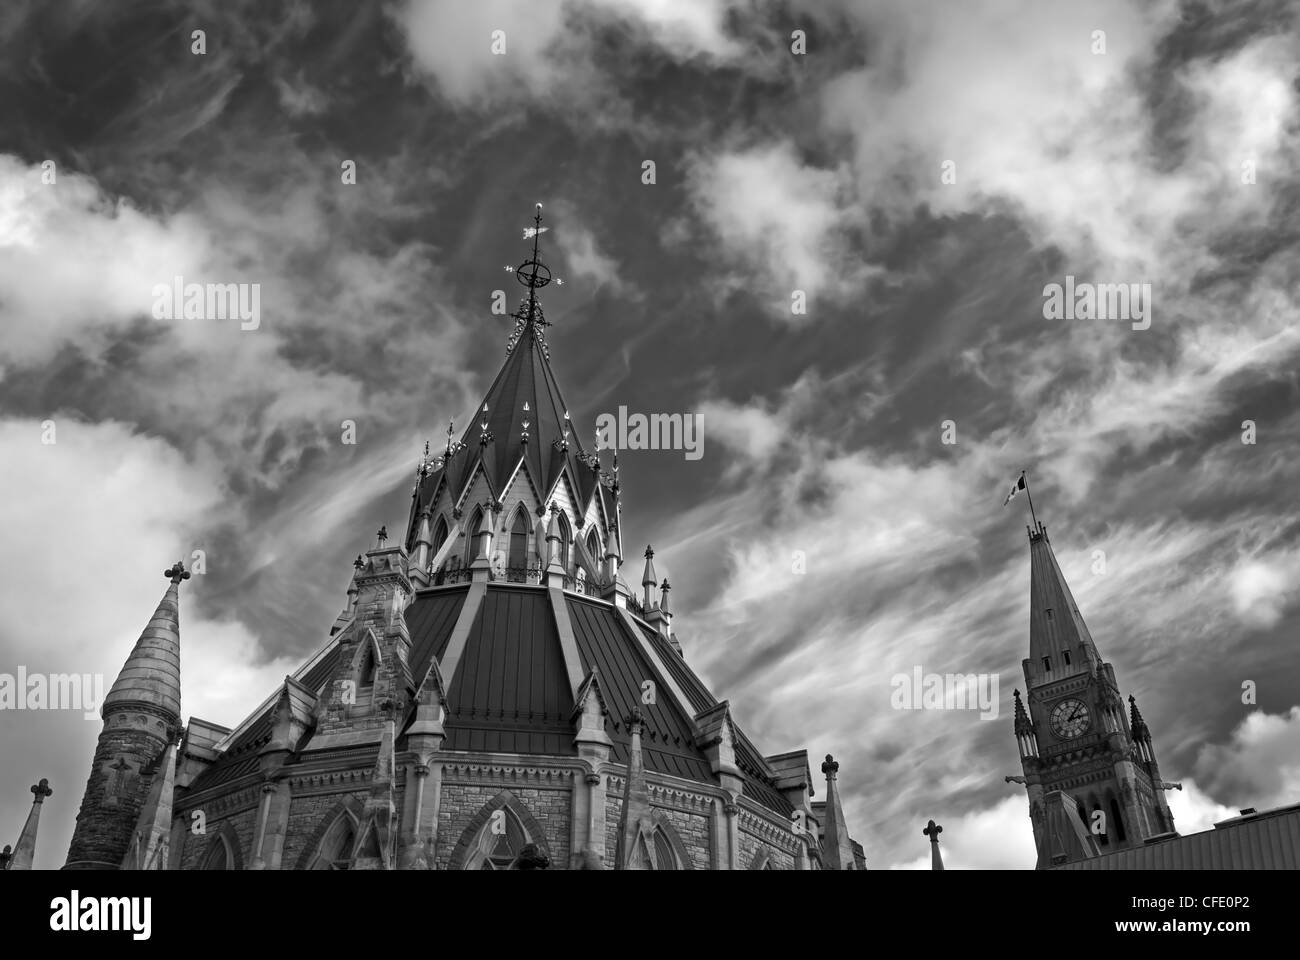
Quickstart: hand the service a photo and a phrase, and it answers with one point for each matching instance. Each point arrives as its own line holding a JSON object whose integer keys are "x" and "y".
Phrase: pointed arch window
{"x": 471, "y": 535}
{"x": 665, "y": 856}
{"x": 593, "y": 547}
{"x": 335, "y": 850}
{"x": 566, "y": 539}
{"x": 1117, "y": 821}
{"x": 499, "y": 843}
{"x": 366, "y": 675}
{"x": 219, "y": 857}
{"x": 518, "y": 557}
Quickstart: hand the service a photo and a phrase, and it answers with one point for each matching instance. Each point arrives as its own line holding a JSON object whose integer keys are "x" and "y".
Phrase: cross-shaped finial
{"x": 42, "y": 790}
{"x": 382, "y": 536}
{"x": 830, "y": 766}
{"x": 932, "y": 830}
{"x": 177, "y": 573}
{"x": 359, "y": 562}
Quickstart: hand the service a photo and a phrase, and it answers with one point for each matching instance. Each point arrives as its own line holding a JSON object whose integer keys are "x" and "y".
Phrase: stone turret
{"x": 142, "y": 717}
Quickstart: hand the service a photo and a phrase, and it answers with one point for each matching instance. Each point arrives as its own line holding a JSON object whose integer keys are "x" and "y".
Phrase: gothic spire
{"x": 142, "y": 715}
{"x": 1059, "y": 642}
{"x": 837, "y": 848}
{"x": 24, "y": 852}
{"x": 525, "y": 391}
{"x": 152, "y": 672}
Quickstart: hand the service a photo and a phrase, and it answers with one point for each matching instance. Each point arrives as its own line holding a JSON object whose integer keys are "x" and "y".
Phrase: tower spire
{"x": 142, "y": 717}
{"x": 25, "y": 850}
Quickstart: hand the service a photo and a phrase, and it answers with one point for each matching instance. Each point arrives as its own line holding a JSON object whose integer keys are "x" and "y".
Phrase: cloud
{"x": 299, "y": 98}
{"x": 784, "y": 221}
{"x": 78, "y": 265}
{"x": 1259, "y": 766}
{"x": 995, "y": 838}
{"x": 94, "y": 518}
{"x": 548, "y": 54}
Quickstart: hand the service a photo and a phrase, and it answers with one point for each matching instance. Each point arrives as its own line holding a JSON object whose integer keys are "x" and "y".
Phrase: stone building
{"x": 493, "y": 695}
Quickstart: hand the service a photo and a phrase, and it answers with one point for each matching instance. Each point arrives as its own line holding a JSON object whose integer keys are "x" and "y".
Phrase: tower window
{"x": 1049, "y": 613}
{"x": 1047, "y": 664}
{"x": 1066, "y": 654}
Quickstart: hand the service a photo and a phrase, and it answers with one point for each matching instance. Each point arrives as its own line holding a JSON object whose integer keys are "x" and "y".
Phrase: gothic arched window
{"x": 566, "y": 538}
{"x": 518, "y": 556}
{"x": 593, "y": 547}
{"x": 665, "y": 857}
{"x": 219, "y": 857}
{"x": 499, "y": 842}
{"x": 335, "y": 850}
{"x": 366, "y": 675}
{"x": 1121, "y": 834}
{"x": 471, "y": 535}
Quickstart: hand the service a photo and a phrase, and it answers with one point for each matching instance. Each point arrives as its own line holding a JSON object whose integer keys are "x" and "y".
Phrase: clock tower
{"x": 1089, "y": 765}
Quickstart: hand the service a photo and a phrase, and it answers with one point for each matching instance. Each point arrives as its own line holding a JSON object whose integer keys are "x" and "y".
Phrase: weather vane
{"x": 534, "y": 275}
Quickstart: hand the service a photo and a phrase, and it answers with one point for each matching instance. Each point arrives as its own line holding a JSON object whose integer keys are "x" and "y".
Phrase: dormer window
{"x": 1047, "y": 664}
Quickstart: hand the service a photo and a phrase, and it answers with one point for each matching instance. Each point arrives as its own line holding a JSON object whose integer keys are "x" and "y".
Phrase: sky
{"x": 840, "y": 264}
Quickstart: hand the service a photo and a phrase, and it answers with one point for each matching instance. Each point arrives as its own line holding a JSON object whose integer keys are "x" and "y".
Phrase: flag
{"x": 530, "y": 232}
{"x": 1015, "y": 488}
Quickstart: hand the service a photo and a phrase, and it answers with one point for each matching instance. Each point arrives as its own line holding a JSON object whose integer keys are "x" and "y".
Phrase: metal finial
{"x": 177, "y": 573}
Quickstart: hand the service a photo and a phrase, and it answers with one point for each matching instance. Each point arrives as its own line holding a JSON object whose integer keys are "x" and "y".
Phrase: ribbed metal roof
{"x": 1264, "y": 841}
{"x": 667, "y": 741}
{"x": 757, "y": 785}
{"x": 511, "y": 692}
{"x": 525, "y": 377}
{"x": 430, "y": 620}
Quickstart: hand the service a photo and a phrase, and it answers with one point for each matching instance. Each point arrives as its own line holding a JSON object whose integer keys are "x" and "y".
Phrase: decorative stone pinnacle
{"x": 830, "y": 766}
{"x": 635, "y": 719}
{"x": 932, "y": 830}
{"x": 177, "y": 573}
{"x": 381, "y": 537}
{"x": 42, "y": 790}
{"x": 359, "y": 562}
{"x": 649, "y": 552}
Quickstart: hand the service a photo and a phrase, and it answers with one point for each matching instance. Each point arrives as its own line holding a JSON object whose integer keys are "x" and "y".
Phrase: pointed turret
{"x": 152, "y": 673}
{"x": 648, "y": 579}
{"x": 837, "y": 848}
{"x": 24, "y": 851}
{"x": 141, "y": 719}
{"x": 523, "y": 415}
{"x": 1059, "y": 641}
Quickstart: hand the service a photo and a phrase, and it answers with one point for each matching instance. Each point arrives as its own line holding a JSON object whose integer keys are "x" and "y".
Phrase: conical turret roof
{"x": 152, "y": 672}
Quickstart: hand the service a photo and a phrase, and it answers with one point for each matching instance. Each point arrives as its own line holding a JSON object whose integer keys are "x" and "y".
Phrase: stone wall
{"x": 120, "y": 777}
{"x": 196, "y": 846}
{"x": 546, "y": 796}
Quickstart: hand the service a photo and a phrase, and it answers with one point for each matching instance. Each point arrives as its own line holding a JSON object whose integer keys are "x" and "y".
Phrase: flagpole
{"x": 1030, "y": 498}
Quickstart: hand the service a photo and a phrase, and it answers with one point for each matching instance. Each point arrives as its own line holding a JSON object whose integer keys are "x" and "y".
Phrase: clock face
{"x": 1070, "y": 719}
